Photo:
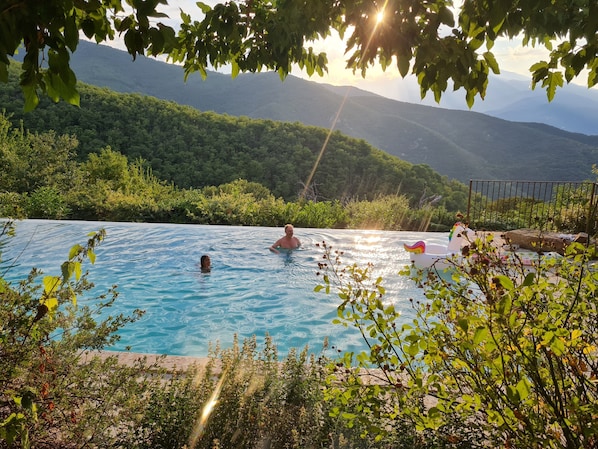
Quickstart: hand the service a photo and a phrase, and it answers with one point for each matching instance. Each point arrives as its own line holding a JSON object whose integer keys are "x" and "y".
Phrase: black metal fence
{"x": 559, "y": 206}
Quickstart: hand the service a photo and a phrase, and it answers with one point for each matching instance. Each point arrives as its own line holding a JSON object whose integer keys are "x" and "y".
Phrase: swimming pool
{"x": 250, "y": 291}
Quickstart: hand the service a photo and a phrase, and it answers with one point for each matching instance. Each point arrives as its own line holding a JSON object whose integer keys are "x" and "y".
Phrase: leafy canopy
{"x": 430, "y": 39}
{"x": 502, "y": 346}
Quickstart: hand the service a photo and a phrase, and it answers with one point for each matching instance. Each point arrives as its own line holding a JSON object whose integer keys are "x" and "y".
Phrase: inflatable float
{"x": 426, "y": 255}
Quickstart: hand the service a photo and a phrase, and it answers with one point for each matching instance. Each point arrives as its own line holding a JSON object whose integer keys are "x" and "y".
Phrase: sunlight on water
{"x": 250, "y": 290}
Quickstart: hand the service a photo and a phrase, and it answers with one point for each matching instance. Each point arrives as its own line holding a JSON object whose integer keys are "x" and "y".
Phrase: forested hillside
{"x": 194, "y": 149}
{"x": 459, "y": 144}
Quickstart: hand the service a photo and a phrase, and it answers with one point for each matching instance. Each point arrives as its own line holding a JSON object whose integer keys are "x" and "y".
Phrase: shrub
{"x": 389, "y": 213}
{"x": 12, "y": 204}
{"x": 324, "y": 214}
{"x": 505, "y": 350}
{"x": 243, "y": 398}
{"x": 47, "y": 202}
{"x": 48, "y": 396}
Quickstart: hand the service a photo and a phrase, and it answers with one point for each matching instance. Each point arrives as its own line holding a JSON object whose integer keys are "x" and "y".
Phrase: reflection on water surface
{"x": 250, "y": 291}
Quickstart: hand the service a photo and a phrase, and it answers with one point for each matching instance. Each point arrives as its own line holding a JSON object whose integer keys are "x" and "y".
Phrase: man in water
{"x": 288, "y": 241}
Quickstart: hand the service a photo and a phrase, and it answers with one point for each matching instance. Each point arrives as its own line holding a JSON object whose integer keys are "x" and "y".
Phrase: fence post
{"x": 591, "y": 212}
{"x": 468, "y": 202}
{"x": 537, "y": 199}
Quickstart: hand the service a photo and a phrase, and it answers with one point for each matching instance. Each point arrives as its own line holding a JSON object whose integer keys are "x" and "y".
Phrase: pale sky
{"x": 511, "y": 56}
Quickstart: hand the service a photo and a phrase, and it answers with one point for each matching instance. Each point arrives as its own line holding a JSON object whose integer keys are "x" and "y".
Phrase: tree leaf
{"x": 491, "y": 61}
{"x": 51, "y": 283}
{"x": 235, "y": 69}
{"x": 31, "y": 98}
{"x": 529, "y": 279}
{"x": 480, "y": 334}
{"x": 51, "y": 303}
{"x": 403, "y": 65}
{"x": 523, "y": 388}
{"x": 558, "y": 346}
{"x": 71, "y": 32}
{"x": 91, "y": 255}
{"x": 555, "y": 79}
{"x": 77, "y": 270}
{"x": 505, "y": 282}
{"x": 205, "y": 8}
{"x": 75, "y": 249}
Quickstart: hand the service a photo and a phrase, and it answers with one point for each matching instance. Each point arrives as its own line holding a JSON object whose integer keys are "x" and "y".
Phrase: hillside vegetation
{"x": 462, "y": 145}
{"x": 194, "y": 150}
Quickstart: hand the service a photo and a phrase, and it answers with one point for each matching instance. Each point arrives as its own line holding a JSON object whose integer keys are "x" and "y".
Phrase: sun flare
{"x": 379, "y": 17}
{"x": 367, "y": 241}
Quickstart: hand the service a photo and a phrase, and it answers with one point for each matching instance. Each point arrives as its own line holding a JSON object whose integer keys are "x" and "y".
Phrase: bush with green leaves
{"x": 12, "y": 204}
{"x": 56, "y": 391}
{"x": 53, "y": 393}
{"x": 321, "y": 214}
{"x": 393, "y": 213}
{"x": 47, "y": 202}
{"x": 246, "y": 397}
{"x": 505, "y": 349}
{"x": 264, "y": 401}
{"x": 387, "y": 212}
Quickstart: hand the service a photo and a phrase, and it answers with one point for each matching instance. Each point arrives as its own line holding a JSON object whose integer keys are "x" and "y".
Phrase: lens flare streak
{"x": 379, "y": 19}
{"x": 200, "y": 425}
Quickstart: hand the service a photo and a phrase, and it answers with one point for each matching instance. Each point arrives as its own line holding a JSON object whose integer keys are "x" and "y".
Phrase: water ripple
{"x": 250, "y": 290}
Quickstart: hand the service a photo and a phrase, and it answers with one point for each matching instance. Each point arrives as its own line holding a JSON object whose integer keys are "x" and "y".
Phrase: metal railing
{"x": 560, "y": 206}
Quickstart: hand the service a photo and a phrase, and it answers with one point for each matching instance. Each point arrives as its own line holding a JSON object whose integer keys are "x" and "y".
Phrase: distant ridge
{"x": 510, "y": 97}
{"x": 460, "y": 144}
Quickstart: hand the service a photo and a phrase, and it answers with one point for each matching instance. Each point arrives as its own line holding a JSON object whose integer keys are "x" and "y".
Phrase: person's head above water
{"x": 206, "y": 264}
{"x": 288, "y": 241}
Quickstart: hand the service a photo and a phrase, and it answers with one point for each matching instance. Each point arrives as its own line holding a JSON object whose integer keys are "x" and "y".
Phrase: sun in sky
{"x": 511, "y": 55}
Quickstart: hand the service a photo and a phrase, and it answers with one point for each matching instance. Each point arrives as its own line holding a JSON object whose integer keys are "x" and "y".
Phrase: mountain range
{"x": 509, "y": 96}
{"x": 460, "y": 144}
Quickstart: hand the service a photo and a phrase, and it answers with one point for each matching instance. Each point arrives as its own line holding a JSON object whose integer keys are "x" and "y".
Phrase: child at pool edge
{"x": 288, "y": 241}
{"x": 205, "y": 263}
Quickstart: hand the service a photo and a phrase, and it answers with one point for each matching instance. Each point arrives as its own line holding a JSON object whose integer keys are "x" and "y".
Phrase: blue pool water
{"x": 250, "y": 290}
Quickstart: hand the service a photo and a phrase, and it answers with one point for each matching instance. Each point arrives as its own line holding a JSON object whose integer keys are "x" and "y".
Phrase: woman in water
{"x": 206, "y": 264}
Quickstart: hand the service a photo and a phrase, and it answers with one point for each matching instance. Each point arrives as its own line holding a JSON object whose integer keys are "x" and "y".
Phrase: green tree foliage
{"x": 48, "y": 396}
{"x": 433, "y": 40}
{"x": 30, "y": 161}
{"x": 503, "y": 347}
{"x": 116, "y": 189}
{"x": 47, "y": 202}
{"x": 50, "y": 33}
{"x": 109, "y": 166}
{"x": 107, "y": 186}
{"x": 237, "y": 203}
{"x": 195, "y": 150}
{"x": 389, "y": 212}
